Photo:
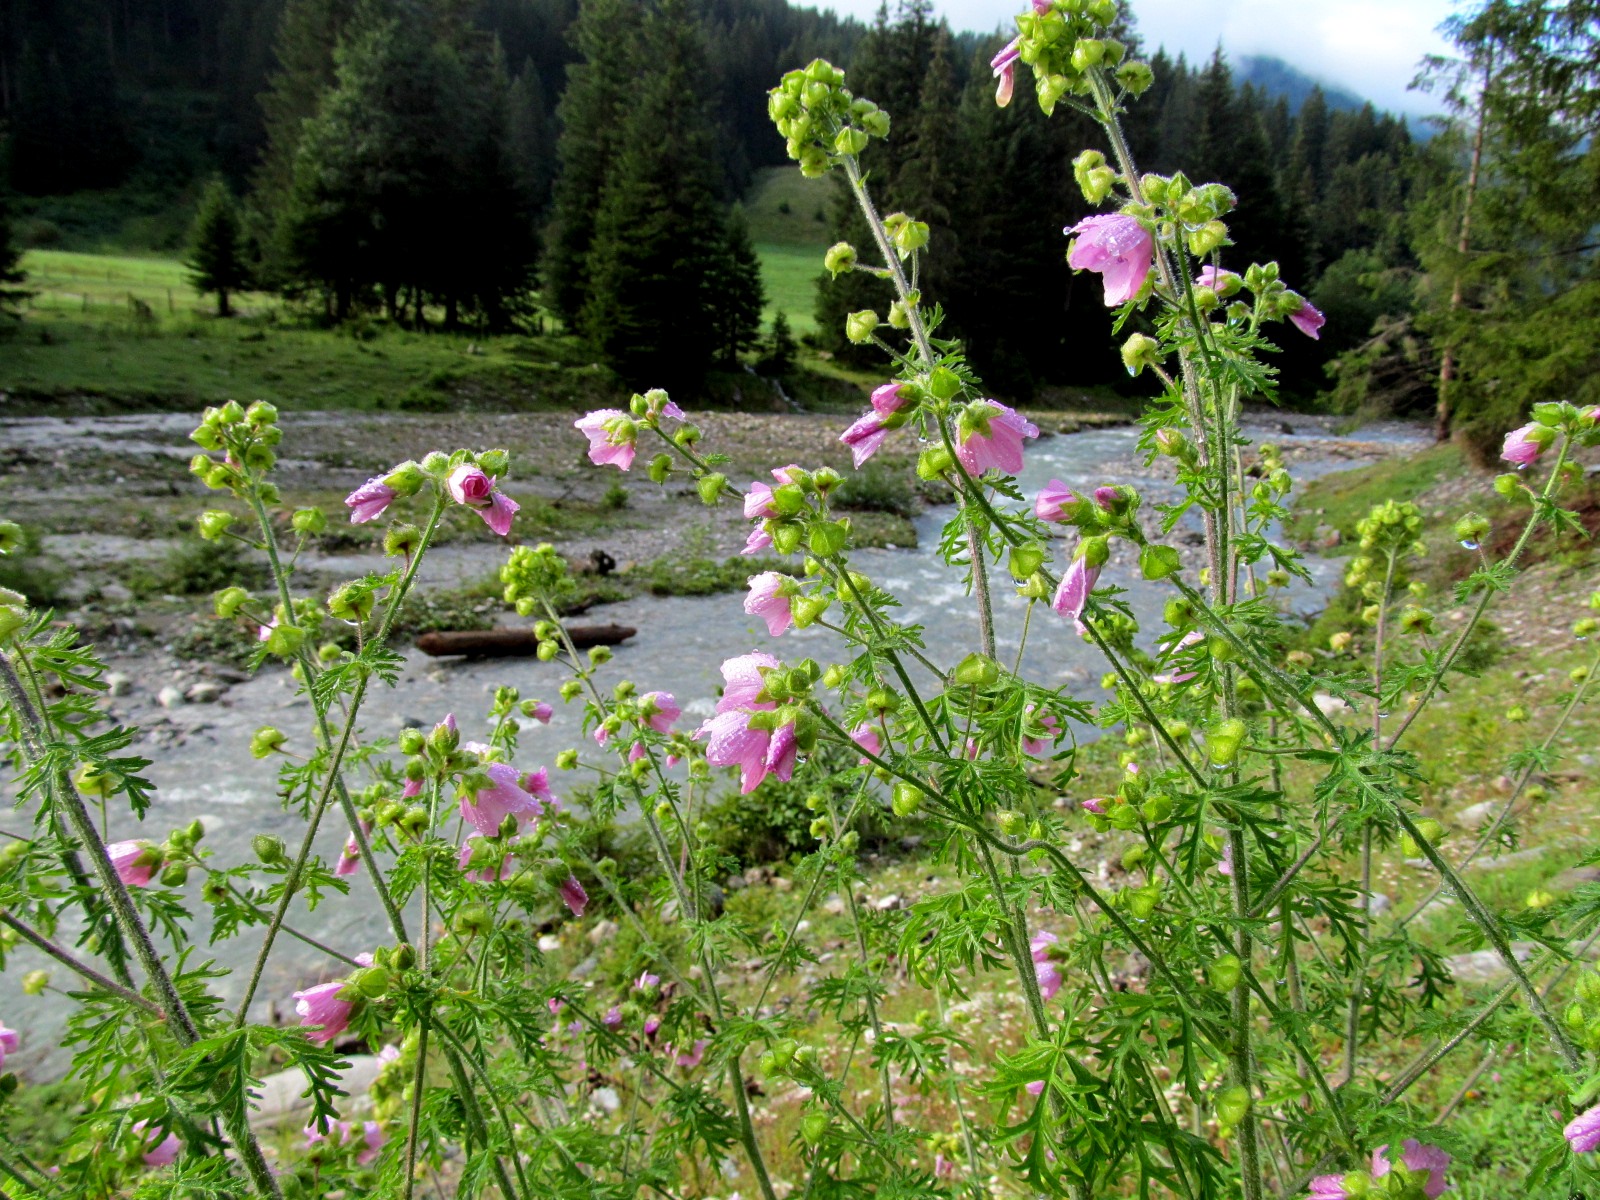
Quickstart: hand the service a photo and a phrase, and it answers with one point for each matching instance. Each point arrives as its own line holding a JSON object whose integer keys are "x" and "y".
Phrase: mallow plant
{"x": 1227, "y": 1015}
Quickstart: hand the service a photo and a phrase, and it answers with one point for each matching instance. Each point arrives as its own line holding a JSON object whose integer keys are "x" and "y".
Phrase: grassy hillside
{"x": 788, "y": 223}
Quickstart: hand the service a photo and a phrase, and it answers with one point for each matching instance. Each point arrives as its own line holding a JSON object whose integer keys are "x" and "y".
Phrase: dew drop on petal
{"x": 1468, "y": 544}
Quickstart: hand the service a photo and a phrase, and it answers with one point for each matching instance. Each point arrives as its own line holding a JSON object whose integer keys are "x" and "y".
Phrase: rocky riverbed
{"x": 196, "y": 717}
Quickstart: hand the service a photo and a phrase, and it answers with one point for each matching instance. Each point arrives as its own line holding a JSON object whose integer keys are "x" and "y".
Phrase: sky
{"x": 1371, "y": 47}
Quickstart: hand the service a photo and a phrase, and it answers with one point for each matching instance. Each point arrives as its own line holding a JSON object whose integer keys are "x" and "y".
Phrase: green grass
{"x": 105, "y": 285}
{"x": 790, "y": 276}
{"x": 1340, "y": 500}
{"x": 782, "y": 207}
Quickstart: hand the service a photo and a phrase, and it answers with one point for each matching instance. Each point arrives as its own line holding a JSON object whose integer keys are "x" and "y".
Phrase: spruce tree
{"x": 12, "y": 276}
{"x": 216, "y": 260}
{"x": 591, "y": 116}
{"x": 739, "y": 294}
{"x": 781, "y": 350}
{"x": 655, "y": 267}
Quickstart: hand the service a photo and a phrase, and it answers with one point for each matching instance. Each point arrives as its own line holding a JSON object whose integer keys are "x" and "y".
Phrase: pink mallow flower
{"x": 1004, "y": 66}
{"x": 991, "y": 435}
{"x": 468, "y": 485}
{"x": 1224, "y": 283}
{"x": 542, "y": 713}
{"x": 758, "y": 541}
{"x": 1118, "y": 248}
{"x": 10, "y": 1043}
{"x": 1051, "y": 728}
{"x": 756, "y": 752}
{"x": 321, "y": 1005}
{"x": 1054, "y": 502}
{"x": 1073, "y": 592}
{"x": 769, "y": 600}
{"x": 1308, "y": 319}
{"x": 866, "y": 736}
{"x": 368, "y": 502}
{"x": 1331, "y": 1187}
{"x": 660, "y": 710}
{"x": 508, "y": 794}
{"x": 1523, "y": 446}
{"x": 573, "y": 895}
{"x": 867, "y": 434}
{"x": 349, "y": 858}
{"x": 1583, "y": 1131}
{"x": 691, "y": 1058}
{"x": 374, "y": 1137}
{"x": 646, "y": 981}
{"x": 611, "y": 435}
{"x": 1044, "y": 967}
{"x": 135, "y": 862}
{"x": 1417, "y": 1158}
{"x": 485, "y": 874}
{"x": 162, "y": 1153}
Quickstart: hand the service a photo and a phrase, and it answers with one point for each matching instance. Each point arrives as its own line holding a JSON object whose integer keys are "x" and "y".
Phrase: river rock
{"x": 207, "y": 691}
{"x": 549, "y": 944}
{"x": 1476, "y": 816}
{"x": 887, "y": 903}
{"x": 119, "y": 683}
{"x": 607, "y": 1099}
{"x": 603, "y": 932}
{"x": 169, "y": 697}
{"x": 1574, "y": 877}
{"x": 1484, "y": 966}
{"x": 281, "y": 1093}
{"x": 1329, "y": 705}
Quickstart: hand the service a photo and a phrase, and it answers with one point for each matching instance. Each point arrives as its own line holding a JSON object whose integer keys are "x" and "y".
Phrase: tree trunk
{"x": 222, "y": 303}
{"x": 1447, "y": 364}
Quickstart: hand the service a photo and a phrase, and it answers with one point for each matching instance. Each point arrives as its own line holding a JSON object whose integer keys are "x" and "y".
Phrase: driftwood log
{"x": 508, "y": 643}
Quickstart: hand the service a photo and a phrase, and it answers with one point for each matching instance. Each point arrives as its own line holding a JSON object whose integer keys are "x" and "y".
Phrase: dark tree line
{"x": 1319, "y": 190}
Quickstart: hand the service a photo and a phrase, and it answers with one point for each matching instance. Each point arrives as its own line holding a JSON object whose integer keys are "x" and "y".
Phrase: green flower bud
{"x": 977, "y": 670}
{"x": 1012, "y": 824}
{"x": 566, "y": 760}
{"x": 309, "y": 521}
{"x": 934, "y": 462}
{"x": 1223, "y": 742}
{"x": 660, "y": 468}
{"x": 1025, "y": 560}
{"x": 268, "y": 849}
{"x": 1233, "y": 1105}
{"x": 850, "y": 141}
{"x": 214, "y": 523}
{"x": 1430, "y": 830}
{"x": 1507, "y": 485}
{"x": 906, "y": 799}
{"x": 860, "y": 326}
{"x": 494, "y": 462}
{"x": 814, "y": 1128}
{"x": 710, "y": 487}
{"x": 1135, "y": 76}
{"x": 401, "y": 541}
{"x": 285, "y": 641}
{"x": 1223, "y": 973}
{"x": 1094, "y": 551}
{"x": 266, "y": 741}
{"x": 841, "y": 257}
{"x": 1158, "y": 562}
{"x": 828, "y": 538}
{"x": 1210, "y": 237}
{"x": 1139, "y": 352}
{"x": 35, "y": 982}
{"x": 570, "y": 690}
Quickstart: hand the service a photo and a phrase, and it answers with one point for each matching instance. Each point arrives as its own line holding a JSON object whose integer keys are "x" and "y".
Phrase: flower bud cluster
{"x": 245, "y": 437}
{"x": 821, "y": 121}
{"x": 1066, "y": 44}
{"x": 532, "y": 576}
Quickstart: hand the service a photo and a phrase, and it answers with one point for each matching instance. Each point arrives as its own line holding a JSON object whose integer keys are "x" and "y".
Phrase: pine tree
{"x": 739, "y": 294}
{"x": 216, "y": 259}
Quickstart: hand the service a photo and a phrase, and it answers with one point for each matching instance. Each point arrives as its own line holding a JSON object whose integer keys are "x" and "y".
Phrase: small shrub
{"x": 878, "y": 488}
{"x": 196, "y": 568}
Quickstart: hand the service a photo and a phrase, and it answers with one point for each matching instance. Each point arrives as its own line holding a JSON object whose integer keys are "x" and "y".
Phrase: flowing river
{"x": 202, "y": 768}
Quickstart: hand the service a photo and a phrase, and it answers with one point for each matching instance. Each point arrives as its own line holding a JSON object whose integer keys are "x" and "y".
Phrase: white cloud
{"x": 1371, "y": 47}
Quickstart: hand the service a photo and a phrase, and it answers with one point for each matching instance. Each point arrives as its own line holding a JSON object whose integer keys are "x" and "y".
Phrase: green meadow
{"x": 111, "y": 329}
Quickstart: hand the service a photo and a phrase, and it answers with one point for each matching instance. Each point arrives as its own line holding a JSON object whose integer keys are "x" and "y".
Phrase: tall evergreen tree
{"x": 216, "y": 259}
{"x": 740, "y": 295}
{"x": 591, "y": 117}
{"x": 12, "y": 276}
{"x": 655, "y": 264}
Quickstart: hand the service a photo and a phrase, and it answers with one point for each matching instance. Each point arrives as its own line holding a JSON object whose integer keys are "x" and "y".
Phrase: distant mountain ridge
{"x": 1278, "y": 78}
